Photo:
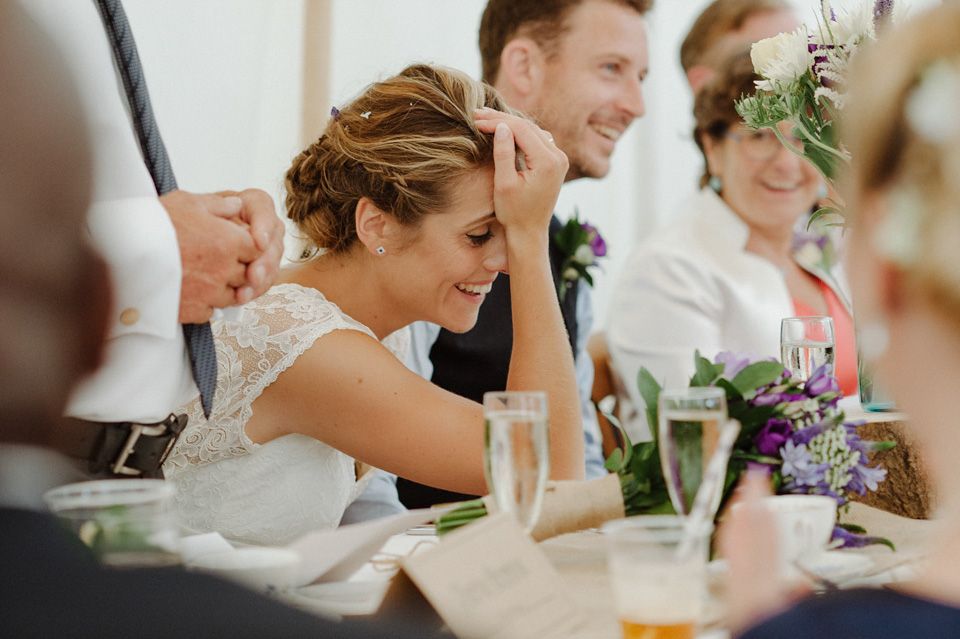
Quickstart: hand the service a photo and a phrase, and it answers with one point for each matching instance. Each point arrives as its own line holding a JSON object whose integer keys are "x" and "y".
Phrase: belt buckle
{"x": 148, "y": 430}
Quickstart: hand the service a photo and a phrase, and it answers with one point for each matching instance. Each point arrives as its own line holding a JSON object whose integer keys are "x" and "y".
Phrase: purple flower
{"x": 821, "y": 381}
{"x": 867, "y": 478}
{"x": 335, "y": 113}
{"x": 596, "y": 241}
{"x": 882, "y": 10}
{"x": 798, "y": 465}
{"x": 772, "y": 436}
{"x": 804, "y": 435}
{"x": 733, "y": 363}
{"x": 853, "y": 540}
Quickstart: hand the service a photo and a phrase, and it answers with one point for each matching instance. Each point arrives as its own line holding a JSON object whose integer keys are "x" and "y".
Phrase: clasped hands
{"x": 230, "y": 248}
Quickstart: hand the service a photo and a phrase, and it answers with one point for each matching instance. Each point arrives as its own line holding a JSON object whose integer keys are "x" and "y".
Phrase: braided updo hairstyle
{"x": 403, "y": 144}
{"x": 902, "y": 128}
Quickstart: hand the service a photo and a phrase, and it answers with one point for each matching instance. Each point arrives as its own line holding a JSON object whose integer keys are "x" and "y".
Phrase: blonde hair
{"x": 403, "y": 144}
{"x": 892, "y": 155}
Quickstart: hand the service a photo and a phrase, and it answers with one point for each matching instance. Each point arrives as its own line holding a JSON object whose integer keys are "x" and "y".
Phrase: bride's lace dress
{"x": 275, "y": 492}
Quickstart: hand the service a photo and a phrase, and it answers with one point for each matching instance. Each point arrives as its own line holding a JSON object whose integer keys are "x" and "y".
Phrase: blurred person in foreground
{"x": 54, "y": 301}
{"x": 902, "y": 128}
{"x": 723, "y": 276}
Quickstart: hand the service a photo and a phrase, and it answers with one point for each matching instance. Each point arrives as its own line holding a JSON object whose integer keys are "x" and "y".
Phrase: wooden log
{"x": 907, "y": 490}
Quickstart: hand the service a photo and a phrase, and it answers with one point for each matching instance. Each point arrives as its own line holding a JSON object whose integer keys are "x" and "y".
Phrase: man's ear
{"x": 372, "y": 226}
{"x": 521, "y": 68}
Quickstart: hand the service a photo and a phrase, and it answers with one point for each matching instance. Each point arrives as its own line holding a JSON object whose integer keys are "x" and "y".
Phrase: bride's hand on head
{"x": 524, "y": 199}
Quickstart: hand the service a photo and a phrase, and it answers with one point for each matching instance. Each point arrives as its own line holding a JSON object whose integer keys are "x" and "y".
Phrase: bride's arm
{"x": 541, "y": 357}
{"x": 348, "y": 391}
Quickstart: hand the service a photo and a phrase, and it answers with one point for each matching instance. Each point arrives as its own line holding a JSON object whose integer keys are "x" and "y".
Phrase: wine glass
{"x": 516, "y": 452}
{"x": 806, "y": 343}
{"x": 690, "y": 421}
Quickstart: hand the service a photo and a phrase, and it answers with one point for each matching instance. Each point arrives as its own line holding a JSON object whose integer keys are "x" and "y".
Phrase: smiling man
{"x": 577, "y": 67}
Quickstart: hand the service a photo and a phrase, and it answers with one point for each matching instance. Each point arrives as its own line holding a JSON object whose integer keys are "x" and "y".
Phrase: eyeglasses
{"x": 763, "y": 144}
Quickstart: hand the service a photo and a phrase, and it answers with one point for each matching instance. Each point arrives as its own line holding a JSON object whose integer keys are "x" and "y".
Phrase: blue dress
{"x": 861, "y": 614}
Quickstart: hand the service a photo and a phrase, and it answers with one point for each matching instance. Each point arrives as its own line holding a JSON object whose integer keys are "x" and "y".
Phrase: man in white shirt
{"x": 173, "y": 259}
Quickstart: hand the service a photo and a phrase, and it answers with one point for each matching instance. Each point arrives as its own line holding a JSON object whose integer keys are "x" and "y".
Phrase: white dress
{"x": 274, "y": 492}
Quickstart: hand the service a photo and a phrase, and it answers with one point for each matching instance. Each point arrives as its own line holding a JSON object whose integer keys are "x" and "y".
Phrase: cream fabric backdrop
{"x": 231, "y": 80}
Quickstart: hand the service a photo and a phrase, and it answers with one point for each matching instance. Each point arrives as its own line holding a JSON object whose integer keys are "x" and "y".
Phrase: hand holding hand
{"x": 230, "y": 247}
{"x": 524, "y": 198}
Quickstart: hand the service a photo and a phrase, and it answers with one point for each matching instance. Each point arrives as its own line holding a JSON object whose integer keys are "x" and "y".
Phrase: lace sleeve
{"x": 273, "y": 331}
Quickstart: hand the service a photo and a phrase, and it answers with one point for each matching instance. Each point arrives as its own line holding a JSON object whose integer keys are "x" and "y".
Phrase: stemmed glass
{"x": 516, "y": 452}
{"x": 690, "y": 422}
{"x": 806, "y": 343}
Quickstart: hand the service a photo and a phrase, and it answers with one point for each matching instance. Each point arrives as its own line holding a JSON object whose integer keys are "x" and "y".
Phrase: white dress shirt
{"x": 147, "y": 370}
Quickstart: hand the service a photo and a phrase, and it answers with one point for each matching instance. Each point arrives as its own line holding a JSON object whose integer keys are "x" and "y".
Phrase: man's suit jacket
{"x": 51, "y": 586}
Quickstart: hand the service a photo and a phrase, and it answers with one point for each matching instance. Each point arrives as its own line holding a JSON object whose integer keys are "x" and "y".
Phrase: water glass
{"x": 806, "y": 343}
{"x": 660, "y": 591}
{"x": 127, "y": 522}
{"x": 516, "y": 452}
{"x": 690, "y": 420}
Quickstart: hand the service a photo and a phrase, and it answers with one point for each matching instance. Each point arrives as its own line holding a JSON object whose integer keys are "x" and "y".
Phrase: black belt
{"x": 121, "y": 449}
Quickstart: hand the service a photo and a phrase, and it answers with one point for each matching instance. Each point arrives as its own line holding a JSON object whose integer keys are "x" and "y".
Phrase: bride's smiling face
{"x": 443, "y": 270}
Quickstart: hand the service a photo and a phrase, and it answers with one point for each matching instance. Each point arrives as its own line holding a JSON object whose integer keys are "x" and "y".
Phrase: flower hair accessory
{"x": 581, "y": 245}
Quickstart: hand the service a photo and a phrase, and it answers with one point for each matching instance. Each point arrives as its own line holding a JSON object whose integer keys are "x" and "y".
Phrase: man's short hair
{"x": 716, "y": 21}
{"x": 543, "y": 21}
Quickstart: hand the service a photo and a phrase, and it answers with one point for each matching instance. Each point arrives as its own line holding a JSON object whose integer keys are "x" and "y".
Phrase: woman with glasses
{"x": 723, "y": 275}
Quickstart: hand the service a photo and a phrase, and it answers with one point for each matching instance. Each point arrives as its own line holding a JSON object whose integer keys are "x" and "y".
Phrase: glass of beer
{"x": 660, "y": 587}
{"x": 516, "y": 452}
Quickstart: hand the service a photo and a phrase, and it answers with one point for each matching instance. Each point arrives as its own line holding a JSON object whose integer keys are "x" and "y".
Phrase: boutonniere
{"x": 581, "y": 244}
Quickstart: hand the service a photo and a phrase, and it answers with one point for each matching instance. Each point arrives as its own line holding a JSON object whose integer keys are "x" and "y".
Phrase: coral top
{"x": 845, "y": 350}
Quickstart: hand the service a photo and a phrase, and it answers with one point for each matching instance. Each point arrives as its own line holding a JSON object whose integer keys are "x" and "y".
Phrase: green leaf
{"x": 650, "y": 392}
{"x": 706, "y": 373}
{"x": 733, "y": 394}
{"x": 615, "y": 461}
{"x": 757, "y": 375}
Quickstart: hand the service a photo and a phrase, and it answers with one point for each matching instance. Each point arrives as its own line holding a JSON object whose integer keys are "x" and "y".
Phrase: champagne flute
{"x": 690, "y": 421}
{"x": 806, "y": 343}
{"x": 516, "y": 452}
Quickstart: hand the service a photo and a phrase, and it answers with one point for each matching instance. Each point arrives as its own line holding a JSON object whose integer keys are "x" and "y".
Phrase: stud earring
{"x": 381, "y": 250}
{"x": 715, "y": 183}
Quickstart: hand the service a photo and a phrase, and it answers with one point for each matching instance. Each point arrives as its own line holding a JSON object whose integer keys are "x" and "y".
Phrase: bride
{"x": 415, "y": 197}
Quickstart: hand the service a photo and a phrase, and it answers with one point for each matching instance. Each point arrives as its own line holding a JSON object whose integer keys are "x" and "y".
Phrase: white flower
{"x": 584, "y": 255}
{"x": 782, "y": 59}
{"x": 849, "y": 28}
{"x": 571, "y": 274}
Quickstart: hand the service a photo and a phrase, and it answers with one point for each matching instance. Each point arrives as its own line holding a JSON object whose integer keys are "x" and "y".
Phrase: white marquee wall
{"x": 227, "y": 80}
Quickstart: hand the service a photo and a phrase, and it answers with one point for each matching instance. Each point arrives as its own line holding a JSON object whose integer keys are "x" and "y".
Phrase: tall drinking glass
{"x": 806, "y": 343}
{"x": 690, "y": 422}
{"x": 126, "y": 522}
{"x": 516, "y": 452}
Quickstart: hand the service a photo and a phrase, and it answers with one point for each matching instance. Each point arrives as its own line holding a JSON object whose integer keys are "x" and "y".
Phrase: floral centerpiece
{"x": 793, "y": 428}
{"x": 803, "y": 81}
{"x": 581, "y": 244}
